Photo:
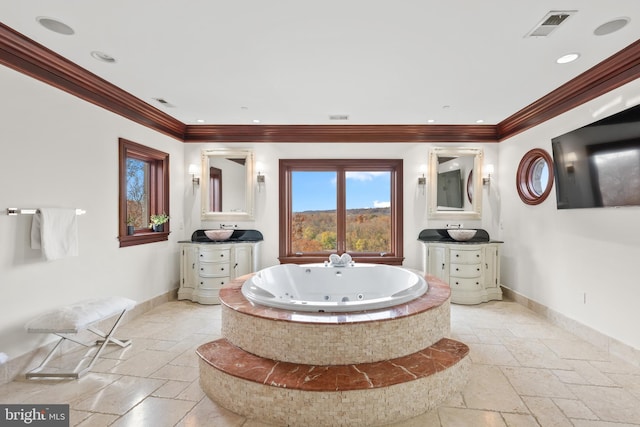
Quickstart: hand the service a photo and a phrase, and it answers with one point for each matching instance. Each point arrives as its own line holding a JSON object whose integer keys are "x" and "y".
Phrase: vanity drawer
{"x": 465, "y": 257}
{"x": 212, "y": 282}
{"x": 465, "y": 270}
{"x": 214, "y": 269}
{"x": 464, "y": 283}
{"x": 214, "y": 255}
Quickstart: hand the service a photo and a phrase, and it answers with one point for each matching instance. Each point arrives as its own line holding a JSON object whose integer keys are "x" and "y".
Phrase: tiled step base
{"x": 336, "y": 338}
{"x": 365, "y": 394}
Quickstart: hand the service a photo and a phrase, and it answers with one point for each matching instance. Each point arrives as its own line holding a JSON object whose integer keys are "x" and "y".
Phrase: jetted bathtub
{"x": 326, "y": 288}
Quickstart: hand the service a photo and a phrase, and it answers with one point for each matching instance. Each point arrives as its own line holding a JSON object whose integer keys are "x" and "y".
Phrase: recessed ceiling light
{"x": 55, "y": 25}
{"x": 569, "y": 57}
{"x": 101, "y": 56}
{"x": 479, "y": 121}
{"x": 431, "y": 121}
{"x": 199, "y": 121}
{"x": 611, "y": 26}
{"x": 256, "y": 121}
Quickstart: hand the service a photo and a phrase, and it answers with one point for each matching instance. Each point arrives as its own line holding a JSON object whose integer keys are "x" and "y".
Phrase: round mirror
{"x": 534, "y": 177}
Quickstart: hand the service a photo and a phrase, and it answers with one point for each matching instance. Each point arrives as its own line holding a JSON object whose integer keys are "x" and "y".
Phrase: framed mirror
{"x": 227, "y": 184}
{"x": 455, "y": 183}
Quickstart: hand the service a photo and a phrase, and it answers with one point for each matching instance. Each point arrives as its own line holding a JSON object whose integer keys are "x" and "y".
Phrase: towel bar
{"x": 23, "y": 211}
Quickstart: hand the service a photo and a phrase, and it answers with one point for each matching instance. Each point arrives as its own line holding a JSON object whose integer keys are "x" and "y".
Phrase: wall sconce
{"x": 422, "y": 183}
{"x": 260, "y": 180}
{"x": 570, "y": 159}
{"x": 193, "y": 171}
{"x": 489, "y": 170}
{"x": 422, "y": 180}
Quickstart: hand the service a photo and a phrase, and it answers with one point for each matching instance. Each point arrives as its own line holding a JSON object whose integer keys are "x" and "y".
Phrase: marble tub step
{"x": 225, "y": 357}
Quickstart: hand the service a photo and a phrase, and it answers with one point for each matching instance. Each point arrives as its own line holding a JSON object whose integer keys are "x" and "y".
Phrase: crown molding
{"x": 615, "y": 71}
{"x": 341, "y": 133}
{"x": 29, "y": 57}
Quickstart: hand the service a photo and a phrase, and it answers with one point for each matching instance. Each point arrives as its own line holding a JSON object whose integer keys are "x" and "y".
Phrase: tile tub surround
{"x": 365, "y": 394}
{"x": 326, "y": 369}
{"x": 336, "y": 338}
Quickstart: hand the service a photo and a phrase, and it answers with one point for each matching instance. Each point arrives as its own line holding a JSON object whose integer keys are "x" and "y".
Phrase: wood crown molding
{"x": 29, "y": 57}
{"x": 615, "y": 71}
{"x": 341, "y": 133}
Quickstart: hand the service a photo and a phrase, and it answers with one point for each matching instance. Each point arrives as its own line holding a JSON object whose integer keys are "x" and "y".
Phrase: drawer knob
{"x": 457, "y": 255}
{"x": 221, "y": 255}
{"x": 221, "y": 268}
{"x": 457, "y": 269}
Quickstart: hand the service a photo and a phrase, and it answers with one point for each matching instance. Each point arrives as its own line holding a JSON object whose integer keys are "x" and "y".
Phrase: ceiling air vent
{"x": 164, "y": 102}
{"x": 550, "y": 22}
{"x": 339, "y": 117}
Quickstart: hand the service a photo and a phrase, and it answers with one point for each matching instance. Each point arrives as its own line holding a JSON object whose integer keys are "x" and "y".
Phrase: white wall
{"x": 267, "y": 155}
{"x": 58, "y": 150}
{"x": 555, "y": 257}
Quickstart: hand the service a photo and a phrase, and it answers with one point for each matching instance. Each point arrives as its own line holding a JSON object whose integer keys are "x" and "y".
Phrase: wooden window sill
{"x": 143, "y": 237}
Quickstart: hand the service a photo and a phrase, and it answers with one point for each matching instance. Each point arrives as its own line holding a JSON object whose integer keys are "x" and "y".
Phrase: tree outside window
{"x": 341, "y": 206}
{"x": 144, "y": 191}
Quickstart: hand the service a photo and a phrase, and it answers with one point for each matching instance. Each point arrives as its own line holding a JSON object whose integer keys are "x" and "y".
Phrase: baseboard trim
{"x": 598, "y": 339}
{"x": 17, "y": 366}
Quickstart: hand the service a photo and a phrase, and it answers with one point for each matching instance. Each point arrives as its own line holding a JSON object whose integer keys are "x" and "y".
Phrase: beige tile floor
{"x": 525, "y": 372}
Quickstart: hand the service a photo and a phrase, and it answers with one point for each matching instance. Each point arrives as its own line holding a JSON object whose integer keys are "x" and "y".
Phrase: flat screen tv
{"x": 598, "y": 165}
{"x": 450, "y": 194}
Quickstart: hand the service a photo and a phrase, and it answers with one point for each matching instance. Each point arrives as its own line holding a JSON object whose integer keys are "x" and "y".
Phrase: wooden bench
{"x": 75, "y": 318}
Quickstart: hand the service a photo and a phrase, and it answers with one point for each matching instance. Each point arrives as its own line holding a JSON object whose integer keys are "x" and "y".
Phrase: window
{"x": 144, "y": 191}
{"x": 341, "y": 206}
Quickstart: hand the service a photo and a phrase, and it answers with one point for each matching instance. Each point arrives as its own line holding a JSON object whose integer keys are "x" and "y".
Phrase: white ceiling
{"x": 299, "y": 61}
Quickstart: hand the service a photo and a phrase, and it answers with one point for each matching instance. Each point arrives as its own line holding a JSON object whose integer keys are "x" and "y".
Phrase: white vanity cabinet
{"x": 206, "y": 267}
{"x": 472, "y": 270}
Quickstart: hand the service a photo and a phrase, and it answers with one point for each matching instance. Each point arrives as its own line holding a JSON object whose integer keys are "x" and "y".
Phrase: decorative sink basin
{"x": 218, "y": 235}
{"x": 461, "y": 235}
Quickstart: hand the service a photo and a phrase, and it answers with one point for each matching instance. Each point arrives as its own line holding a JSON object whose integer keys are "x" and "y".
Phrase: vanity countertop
{"x": 238, "y": 236}
{"x": 440, "y": 235}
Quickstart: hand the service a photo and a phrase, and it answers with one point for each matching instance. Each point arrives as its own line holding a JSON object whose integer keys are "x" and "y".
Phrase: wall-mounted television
{"x": 598, "y": 165}
{"x": 450, "y": 195}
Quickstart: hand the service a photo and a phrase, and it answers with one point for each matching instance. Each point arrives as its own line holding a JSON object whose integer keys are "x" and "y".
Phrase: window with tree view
{"x": 138, "y": 193}
{"x": 338, "y": 206}
{"x": 144, "y": 191}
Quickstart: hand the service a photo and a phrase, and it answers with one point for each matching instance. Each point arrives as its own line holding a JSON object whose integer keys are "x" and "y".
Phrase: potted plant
{"x": 130, "y": 225}
{"x": 157, "y": 221}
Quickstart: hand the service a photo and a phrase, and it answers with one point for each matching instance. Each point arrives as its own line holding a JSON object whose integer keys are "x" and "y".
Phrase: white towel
{"x": 55, "y": 231}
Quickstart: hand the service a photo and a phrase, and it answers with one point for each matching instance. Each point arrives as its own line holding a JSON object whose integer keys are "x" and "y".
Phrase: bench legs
{"x": 78, "y": 371}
